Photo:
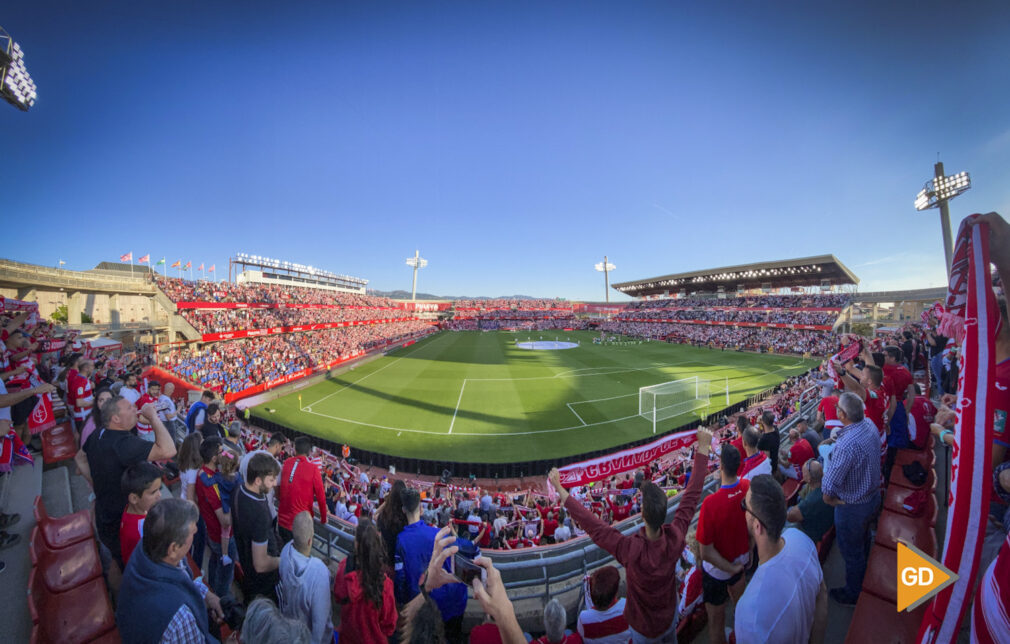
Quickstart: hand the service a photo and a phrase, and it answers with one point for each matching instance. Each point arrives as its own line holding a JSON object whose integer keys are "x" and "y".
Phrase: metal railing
{"x": 32, "y": 275}
{"x": 536, "y": 573}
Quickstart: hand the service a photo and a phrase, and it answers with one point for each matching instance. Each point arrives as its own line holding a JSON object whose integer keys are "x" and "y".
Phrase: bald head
{"x": 301, "y": 528}
{"x": 815, "y": 471}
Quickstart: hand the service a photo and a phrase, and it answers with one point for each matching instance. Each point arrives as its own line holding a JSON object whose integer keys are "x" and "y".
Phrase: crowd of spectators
{"x": 181, "y": 290}
{"x": 797, "y": 301}
{"x": 702, "y": 314}
{"x": 512, "y": 304}
{"x": 236, "y": 365}
{"x": 723, "y": 337}
{"x": 222, "y": 320}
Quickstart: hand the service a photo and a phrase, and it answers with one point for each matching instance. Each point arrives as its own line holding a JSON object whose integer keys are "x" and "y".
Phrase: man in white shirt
{"x": 563, "y": 532}
{"x": 129, "y": 389}
{"x": 786, "y": 599}
{"x": 603, "y": 620}
{"x": 166, "y": 406}
{"x": 499, "y": 522}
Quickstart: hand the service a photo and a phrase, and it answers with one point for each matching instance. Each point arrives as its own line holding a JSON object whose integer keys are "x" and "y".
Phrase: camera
{"x": 465, "y": 570}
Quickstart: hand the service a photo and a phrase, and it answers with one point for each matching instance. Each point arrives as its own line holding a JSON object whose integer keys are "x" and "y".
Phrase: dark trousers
{"x": 852, "y": 530}
{"x": 454, "y": 630}
{"x": 108, "y": 534}
{"x": 285, "y": 535}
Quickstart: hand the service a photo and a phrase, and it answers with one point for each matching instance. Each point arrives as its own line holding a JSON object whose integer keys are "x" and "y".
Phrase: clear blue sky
{"x": 513, "y": 143}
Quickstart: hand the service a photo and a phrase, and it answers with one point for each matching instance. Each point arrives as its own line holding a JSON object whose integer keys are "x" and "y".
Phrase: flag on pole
{"x": 188, "y": 265}
{"x": 176, "y": 264}
{"x": 62, "y": 262}
{"x": 146, "y": 259}
{"x": 127, "y": 257}
{"x": 160, "y": 262}
{"x": 201, "y": 267}
{"x": 211, "y": 269}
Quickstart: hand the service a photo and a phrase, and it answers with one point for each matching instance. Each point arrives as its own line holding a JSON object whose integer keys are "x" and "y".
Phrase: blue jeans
{"x": 852, "y": 531}
{"x": 219, "y": 576}
{"x": 936, "y": 368}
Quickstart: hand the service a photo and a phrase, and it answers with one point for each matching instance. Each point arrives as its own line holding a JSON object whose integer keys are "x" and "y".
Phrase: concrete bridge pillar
{"x": 75, "y": 304}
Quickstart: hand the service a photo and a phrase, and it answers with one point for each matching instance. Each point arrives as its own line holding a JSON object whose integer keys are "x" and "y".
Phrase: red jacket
{"x": 300, "y": 480}
{"x": 359, "y": 620}
{"x": 651, "y": 565}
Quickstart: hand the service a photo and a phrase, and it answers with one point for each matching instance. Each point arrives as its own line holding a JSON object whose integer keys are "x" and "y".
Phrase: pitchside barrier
{"x": 533, "y": 576}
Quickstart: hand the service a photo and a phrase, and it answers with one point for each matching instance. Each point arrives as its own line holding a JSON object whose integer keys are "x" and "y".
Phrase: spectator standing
{"x": 109, "y": 452}
{"x": 852, "y": 486}
{"x": 274, "y": 447}
{"x": 300, "y": 483}
{"x": 142, "y": 487}
{"x": 80, "y": 397}
{"x": 799, "y": 453}
{"x": 190, "y": 462}
{"x": 650, "y": 555}
{"x": 603, "y": 622}
{"x": 150, "y": 396}
{"x": 93, "y": 421}
{"x": 755, "y": 461}
{"x": 362, "y": 585}
{"x": 255, "y": 536}
{"x": 786, "y": 600}
{"x": 212, "y": 427}
{"x": 198, "y": 411}
{"x": 724, "y": 544}
{"x": 223, "y": 551}
{"x": 158, "y": 600}
{"x": 770, "y": 439}
{"x": 390, "y": 518}
{"x": 304, "y": 589}
{"x": 814, "y": 516}
{"x": 129, "y": 389}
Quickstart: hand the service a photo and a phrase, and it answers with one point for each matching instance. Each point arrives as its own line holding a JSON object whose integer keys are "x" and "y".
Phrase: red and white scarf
{"x": 971, "y": 316}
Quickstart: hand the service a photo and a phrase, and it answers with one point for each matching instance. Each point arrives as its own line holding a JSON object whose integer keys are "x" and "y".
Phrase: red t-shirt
{"x": 131, "y": 528}
{"x": 550, "y": 525}
{"x": 876, "y": 404}
{"x": 626, "y": 484}
{"x": 800, "y": 453}
{"x": 208, "y": 499}
{"x": 721, "y": 524}
{"x": 827, "y": 407}
{"x": 620, "y": 511}
{"x": 299, "y": 482}
{"x": 485, "y": 541}
{"x": 900, "y": 380}
{"x": 922, "y": 414}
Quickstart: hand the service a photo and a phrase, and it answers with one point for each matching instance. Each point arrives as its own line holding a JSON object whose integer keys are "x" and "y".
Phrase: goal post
{"x": 668, "y": 399}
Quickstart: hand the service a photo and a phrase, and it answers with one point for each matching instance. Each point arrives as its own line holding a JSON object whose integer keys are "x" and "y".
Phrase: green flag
{"x": 160, "y": 262}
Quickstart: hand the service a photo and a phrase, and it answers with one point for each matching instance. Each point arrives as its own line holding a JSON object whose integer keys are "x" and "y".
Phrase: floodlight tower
{"x": 16, "y": 85}
{"x": 605, "y": 267}
{"x": 416, "y": 262}
{"x": 935, "y": 194}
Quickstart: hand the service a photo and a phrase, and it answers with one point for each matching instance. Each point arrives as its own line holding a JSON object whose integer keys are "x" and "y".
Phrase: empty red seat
{"x": 76, "y": 616}
{"x": 61, "y": 532}
{"x": 64, "y": 568}
{"x": 877, "y": 620}
{"x": 57, "y": 447}
{"x": 894, "y": 501}
{"x": 882, "y": 573}
{"x": 824, "y": 545}
{"x": 898, "y": 478}
{"x": 916, "y": 532}
{"x": 790, "y": 488}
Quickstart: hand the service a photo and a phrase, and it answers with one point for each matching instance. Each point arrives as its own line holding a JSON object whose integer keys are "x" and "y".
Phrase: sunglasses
{"x": 743, "y": 506}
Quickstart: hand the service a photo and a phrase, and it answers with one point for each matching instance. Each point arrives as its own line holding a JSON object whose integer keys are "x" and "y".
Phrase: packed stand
{"x": 180, "y": 290}
{"x": 223, "y": 320}
{"x": 719, "y": 337}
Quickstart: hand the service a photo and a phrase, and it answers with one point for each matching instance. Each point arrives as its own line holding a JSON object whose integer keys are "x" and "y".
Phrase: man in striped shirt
{"x": 603, "y": 621}
{"x": 852, "y": 486}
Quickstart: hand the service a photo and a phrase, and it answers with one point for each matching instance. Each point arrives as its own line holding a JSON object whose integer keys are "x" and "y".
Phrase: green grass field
{"x": 477, "y": 397}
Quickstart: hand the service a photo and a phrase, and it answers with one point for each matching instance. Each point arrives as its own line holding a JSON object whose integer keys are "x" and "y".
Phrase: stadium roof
{"x": 805, "y": 271}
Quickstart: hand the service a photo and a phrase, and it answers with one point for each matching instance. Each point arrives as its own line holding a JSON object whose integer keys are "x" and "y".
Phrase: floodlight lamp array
{"x": 418, "y": 262}
{"x": 609, "y": 267}
{"x": 942, "y": 189}
{"x": 16, "y": 84}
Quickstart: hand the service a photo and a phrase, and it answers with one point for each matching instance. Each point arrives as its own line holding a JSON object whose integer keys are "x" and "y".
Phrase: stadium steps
{"x": 176, "y": 321}
{"x": 19, "y": 489}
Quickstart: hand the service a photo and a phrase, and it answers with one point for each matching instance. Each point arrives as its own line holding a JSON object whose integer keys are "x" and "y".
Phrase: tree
{"x": 62, "y": 315}
{"x": 863, "y": 329}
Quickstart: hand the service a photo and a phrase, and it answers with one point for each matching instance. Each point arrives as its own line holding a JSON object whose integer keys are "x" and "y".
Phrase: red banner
{"x": 255, "y": 333}
{"x": 770, "y": 325}
{"x": 274, "y": 305}
{"x": 42, "y": 417}
{"x": 603, "y": 467}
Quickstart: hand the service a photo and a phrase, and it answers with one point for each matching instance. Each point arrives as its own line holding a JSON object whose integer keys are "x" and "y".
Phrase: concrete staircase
{"x": 176, "y": 323}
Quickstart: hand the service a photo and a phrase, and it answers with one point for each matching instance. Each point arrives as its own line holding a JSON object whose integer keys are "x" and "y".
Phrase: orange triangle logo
{"x": 919, "y": 577}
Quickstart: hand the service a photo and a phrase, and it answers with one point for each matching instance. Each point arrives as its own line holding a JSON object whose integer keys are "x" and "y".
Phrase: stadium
{"x": 756, "y": 435}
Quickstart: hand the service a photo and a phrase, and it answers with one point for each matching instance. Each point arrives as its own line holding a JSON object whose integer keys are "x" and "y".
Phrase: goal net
{"x": 660, "y": 402}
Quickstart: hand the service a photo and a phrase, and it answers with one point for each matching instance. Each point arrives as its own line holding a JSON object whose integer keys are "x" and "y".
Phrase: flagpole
{"x": 131, "y": 263}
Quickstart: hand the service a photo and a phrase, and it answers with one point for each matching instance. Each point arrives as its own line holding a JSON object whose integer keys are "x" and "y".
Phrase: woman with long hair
{"x": 365, "y": 591}
{"x": 190, "y": 462}
{"x": 390, "y": 519}
{"x": 94, "y": 420}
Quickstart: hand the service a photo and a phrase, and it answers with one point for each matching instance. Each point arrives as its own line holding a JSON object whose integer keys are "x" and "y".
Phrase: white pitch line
{"x": 348, "y": 386}
{"x": 576, "y": 413}
{"x": 458, "y": 401}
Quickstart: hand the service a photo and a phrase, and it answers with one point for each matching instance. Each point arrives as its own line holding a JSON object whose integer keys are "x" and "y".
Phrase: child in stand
{"x": 142, "y": 485}
{"x": 227, "y": 480}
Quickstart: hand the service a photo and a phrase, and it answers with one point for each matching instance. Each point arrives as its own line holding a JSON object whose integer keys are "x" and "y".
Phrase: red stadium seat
{"x": 61, "y": 532}
{"x": 894, "y": 500}
{"x": 882, "y": 574}
{"x": 78, "y": 615}
{"x": 64, "y": 568}
{"x": 898, "y": 478}
{"x": 878, "y": 621}
{"x": 791, "y": 488}
{"x": 916, "y": 532}
{"x": 57, "y": 445}
{"x": 824, "y": 545}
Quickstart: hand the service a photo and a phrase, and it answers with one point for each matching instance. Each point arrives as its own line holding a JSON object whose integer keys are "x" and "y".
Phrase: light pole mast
{"x": 416, "y": 262}
{"x": 935, "y": 194}
{"x": 605, "y": 267}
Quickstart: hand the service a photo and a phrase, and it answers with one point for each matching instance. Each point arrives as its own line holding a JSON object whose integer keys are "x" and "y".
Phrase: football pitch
{"x": 478, "y": 397}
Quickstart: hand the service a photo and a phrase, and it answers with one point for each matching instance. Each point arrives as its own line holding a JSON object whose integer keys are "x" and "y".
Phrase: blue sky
{"x": 513, "y": 143}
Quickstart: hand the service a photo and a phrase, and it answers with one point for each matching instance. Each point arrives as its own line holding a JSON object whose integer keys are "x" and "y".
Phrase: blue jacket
{"x": 150, "y": 595}
{"x": 413, "y": 552}
{"x": 191, "y": 416}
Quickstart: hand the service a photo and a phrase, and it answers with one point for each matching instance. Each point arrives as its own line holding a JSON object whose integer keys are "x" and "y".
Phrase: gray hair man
{"x": 852, "y": 486}
{"x": 304, "y": 590}
{"x": 555, "y": 618}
